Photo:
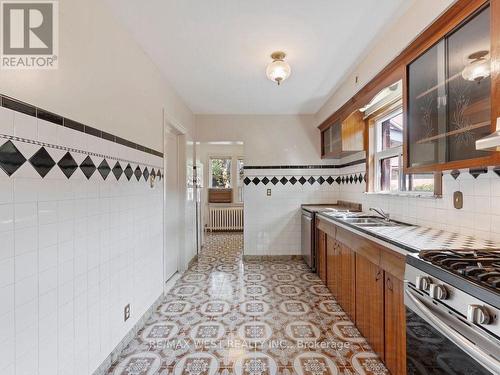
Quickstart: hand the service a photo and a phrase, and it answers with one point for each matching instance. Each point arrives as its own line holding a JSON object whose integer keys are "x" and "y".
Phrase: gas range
{"x": 457, "y": 293}
{"x": 478, "y": 266}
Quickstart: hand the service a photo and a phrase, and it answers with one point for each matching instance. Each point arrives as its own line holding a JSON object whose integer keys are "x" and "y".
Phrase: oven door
{"x": 438, "y": 341}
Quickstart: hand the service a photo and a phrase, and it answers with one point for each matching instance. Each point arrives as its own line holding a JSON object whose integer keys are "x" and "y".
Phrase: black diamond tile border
{"x": 11, "y": 158}
{"x": 355, "y": 178}
{"x": 117, "y": 170}
{"x": 104, "y": 169}
{"x": 88, "y": 167}
{"x": 68, "y": 165}
{"x": 42, "y": 162}
{"x": 138, "y": 173}
{"x": 128, "y": 172}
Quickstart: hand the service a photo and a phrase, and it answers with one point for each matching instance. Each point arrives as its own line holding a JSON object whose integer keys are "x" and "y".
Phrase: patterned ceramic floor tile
{"x": 227, "y": 316}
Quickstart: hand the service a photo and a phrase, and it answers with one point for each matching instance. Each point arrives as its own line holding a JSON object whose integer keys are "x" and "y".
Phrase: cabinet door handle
{"x": 379, "y": 275}
{"x": 389, "y": 284}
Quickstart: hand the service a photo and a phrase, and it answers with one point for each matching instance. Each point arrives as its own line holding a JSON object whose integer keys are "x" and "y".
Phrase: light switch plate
{"x": 268, "y": 192}
{"x": 458, "y": 200}
{"x": 126, "y": 312}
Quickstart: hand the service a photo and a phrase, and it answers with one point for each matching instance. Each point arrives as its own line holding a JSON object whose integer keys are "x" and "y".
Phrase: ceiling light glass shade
{"x": 278, "y": 71}
{"x": 477, "y": 69}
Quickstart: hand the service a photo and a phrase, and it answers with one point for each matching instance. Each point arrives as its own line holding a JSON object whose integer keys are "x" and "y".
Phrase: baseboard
{"x": 106, "y": 364}
{"x": 192, "y": 261}
{"x": 255, "y": 258}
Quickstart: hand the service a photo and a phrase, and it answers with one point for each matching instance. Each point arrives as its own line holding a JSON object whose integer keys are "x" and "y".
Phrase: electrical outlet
{"x": 126, "y": 312}
{"x": 268, "y": 192}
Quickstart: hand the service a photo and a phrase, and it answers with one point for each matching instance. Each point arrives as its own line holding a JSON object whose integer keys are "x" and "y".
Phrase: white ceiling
{"x": 215, "y": 52}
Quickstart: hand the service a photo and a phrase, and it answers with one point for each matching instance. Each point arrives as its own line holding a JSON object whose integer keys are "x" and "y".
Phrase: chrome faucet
{"x": 381, "y": 212}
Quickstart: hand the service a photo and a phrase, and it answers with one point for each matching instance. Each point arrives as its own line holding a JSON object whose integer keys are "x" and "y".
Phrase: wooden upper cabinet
{"x": 448, "y": 100}
{"x": 343, "y": 137}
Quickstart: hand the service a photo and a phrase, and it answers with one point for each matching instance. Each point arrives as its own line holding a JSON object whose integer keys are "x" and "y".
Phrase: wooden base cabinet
{"x": 340, "y": 274}
{"x": 321, "y": 261}
{"x": 395, "y": 325}
{"x": 366, "y": 280}
{"x": 370, "y": 303}
{"x": 333, "y": 267}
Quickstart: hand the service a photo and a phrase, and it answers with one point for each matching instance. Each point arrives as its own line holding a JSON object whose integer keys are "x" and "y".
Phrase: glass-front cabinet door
{"x": 448, "y": 96}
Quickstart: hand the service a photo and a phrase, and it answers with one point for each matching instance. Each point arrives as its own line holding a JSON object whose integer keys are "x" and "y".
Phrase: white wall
{"x": 73, "y": 252}
{"x": 269, "y": 140}
{"x": 396, "y": 37}
{"x": 272, "y": 223}
{"x": 104, "y": 79}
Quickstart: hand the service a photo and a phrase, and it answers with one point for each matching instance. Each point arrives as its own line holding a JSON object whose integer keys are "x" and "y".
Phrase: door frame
{"x": 172, "y": 127}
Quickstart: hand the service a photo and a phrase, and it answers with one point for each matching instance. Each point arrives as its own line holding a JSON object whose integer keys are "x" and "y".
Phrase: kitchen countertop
{"x": 413, "y": 238}
{"x": 340, "y": 205}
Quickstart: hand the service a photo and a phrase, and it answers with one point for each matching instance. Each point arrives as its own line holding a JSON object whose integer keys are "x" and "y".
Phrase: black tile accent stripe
{"x": 337, "y": 166}
{"x": 19, "y": 106}
{"x": 346, "y": 179}
{"x": 48, "y": 116}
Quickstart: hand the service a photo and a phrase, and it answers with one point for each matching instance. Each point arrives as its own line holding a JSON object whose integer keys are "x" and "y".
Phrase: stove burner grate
{"x": 482, "y": 267}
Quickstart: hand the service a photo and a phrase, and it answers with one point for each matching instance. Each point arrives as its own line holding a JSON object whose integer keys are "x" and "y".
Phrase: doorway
{"x": 220, "y": 178}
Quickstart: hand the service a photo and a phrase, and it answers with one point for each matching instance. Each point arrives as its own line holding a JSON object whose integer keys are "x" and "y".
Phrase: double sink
{"x": 370, "y": 221}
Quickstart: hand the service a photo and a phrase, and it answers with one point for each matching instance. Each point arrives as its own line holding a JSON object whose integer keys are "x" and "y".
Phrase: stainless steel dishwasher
{"x": 307, "y": 238}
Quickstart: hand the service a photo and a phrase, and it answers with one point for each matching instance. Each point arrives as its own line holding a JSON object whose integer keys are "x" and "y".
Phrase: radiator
{"x": 225, "y": 218}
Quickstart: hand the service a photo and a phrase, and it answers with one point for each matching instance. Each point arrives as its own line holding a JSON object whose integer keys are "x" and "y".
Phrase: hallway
{"x": 252, "y": 317}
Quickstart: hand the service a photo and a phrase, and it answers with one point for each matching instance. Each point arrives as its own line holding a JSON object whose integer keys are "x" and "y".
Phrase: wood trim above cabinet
{"x": 495, "y": 60}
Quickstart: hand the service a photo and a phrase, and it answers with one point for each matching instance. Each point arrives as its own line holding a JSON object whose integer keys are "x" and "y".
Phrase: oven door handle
{"x": 479, "y": 355}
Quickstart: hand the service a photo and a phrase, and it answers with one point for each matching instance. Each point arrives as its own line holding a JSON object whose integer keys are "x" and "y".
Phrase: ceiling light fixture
{"x": 479, "y": 68}
{"x": 278, "y": 70}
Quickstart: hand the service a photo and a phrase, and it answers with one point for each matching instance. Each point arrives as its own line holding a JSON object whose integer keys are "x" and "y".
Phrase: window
{"x": 388, "y": 158}
{"x": 220, "y": 173}
{"x": 241, "y": 176}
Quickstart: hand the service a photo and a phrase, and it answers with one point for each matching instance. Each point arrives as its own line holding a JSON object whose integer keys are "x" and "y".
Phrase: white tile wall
{"x": 272, "y": 223}
{"x": 73, "y": 253}
{"x": 479, "y": 217}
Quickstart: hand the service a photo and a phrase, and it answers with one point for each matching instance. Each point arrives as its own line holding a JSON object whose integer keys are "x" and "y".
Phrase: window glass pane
{"x": 389, "y": 174}
{"x": 392, "y": 132}
{"x": 420, "y": 182}
{"x": 221, "y": 173}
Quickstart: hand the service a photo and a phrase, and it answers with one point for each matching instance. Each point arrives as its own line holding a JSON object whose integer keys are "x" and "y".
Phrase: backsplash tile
{"x": 480, "y": 213}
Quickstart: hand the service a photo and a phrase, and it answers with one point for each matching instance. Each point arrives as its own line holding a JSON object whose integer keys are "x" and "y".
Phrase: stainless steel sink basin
{"x": 366, "y": 222}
